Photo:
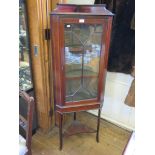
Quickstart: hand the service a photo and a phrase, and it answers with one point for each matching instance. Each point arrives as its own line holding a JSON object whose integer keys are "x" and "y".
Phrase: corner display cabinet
{"x": 80, "y": 44}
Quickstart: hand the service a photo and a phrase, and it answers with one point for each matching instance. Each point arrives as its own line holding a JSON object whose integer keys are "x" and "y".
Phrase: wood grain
{"x": 37, "y": 22}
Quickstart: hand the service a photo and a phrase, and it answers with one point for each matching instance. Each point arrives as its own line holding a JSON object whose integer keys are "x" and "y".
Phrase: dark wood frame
{"x": 26, "y": 124}
{"x": 71, "y": 14}
{"x": 76, "y": 21}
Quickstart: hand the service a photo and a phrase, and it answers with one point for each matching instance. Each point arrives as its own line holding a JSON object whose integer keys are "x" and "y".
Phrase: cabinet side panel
{"x": 108, "y": 36}
{"x": 108, "y": 24}
{"x": 56, "y": 59}
{"x": 102, "y": 61}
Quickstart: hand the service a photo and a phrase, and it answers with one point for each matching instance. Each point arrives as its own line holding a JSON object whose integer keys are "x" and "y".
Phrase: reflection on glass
{"x": 25, "y": 81}
{"x": 82, "y": 56}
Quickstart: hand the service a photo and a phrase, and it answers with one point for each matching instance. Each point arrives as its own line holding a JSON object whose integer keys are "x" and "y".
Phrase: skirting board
{"x": 122, "y": 125}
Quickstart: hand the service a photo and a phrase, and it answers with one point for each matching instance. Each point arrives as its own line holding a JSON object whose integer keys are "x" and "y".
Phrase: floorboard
{"x": 113, "y": 140}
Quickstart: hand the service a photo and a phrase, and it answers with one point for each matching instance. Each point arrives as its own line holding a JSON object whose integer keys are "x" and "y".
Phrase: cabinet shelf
{"x": 77, "y": 127}
{"x": 79, "y": 77}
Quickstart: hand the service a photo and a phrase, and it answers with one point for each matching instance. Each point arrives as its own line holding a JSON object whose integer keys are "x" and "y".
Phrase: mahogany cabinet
{"x": 80, "y": 44}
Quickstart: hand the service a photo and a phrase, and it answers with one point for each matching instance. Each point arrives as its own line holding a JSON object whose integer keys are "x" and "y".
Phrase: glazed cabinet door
{"x": 82, "y": 50}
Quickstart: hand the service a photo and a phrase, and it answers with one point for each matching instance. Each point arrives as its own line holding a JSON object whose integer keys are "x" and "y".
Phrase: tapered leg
{"x": 29, "y": 152}
{"x": 74, "y": 115}
{"x": 98, "y": 125}
{"x": 60, "y": 131}
{"x": 55, "y": 116}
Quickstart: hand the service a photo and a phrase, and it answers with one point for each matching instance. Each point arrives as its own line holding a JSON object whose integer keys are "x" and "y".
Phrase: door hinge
{"x": 47, "y": 34}
{"x": 51, "y": 112}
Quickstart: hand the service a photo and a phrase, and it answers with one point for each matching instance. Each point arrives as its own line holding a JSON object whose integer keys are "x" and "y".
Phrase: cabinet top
{"x": 73, "y": 9}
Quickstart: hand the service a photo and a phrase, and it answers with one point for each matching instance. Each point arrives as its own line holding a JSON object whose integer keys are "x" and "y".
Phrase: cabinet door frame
{"x": 89, "y": 20}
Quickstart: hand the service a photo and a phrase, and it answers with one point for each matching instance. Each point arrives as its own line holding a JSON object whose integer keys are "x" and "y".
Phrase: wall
{"x": 80, "y": 1}
{"x": 114, "y": 109}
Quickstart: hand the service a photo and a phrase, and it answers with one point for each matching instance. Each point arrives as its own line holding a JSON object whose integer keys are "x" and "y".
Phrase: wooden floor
{"x": 112, "y": 140}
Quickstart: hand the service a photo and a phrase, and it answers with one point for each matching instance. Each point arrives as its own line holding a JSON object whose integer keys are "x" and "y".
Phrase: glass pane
{"x": 88, "y": 90}
{"x": 82, "y": 57}
{"x": 73, "y": 61}
{"x": 92, "y": 54}
{"x": 25, "y": 82}
{"x": 81, "y": 31}
{"x": 72, "y": 86}
{"x": 75, "y": 92}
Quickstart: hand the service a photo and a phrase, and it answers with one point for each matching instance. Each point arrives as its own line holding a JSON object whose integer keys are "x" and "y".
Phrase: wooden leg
{"x": 29, "y": 152}
{"x": 55, "y": 116}
{"x": 60, "y": 130}
{"x": 98, "y": 125}
{"x": 74, "y": 115}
